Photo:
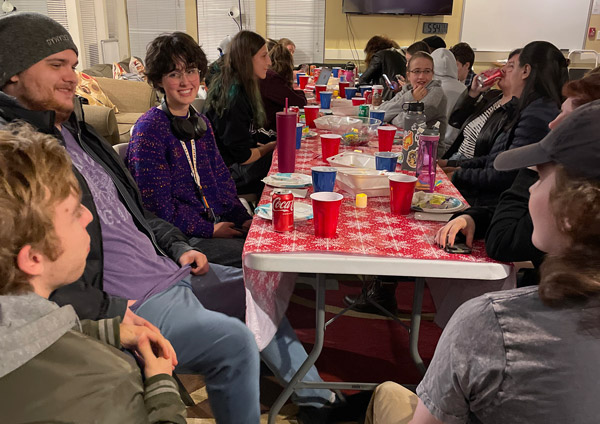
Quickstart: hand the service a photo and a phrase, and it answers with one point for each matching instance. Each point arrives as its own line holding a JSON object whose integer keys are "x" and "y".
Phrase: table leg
{"x": 314, "y": 353}
{"x": 415, "y": 323}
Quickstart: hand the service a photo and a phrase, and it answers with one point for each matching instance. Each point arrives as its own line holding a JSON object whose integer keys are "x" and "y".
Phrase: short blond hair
{"x": 35, "y": 174}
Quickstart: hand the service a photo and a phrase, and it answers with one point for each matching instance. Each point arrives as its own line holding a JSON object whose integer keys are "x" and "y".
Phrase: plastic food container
{"x": 352, "y": 160}
{"x": 359, "y": 180}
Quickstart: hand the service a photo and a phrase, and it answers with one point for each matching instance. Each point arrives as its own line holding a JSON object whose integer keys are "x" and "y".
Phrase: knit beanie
{"x": 26, "y": 38}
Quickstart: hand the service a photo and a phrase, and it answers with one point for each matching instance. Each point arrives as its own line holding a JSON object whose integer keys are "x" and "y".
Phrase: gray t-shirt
{"x": 505, "y": 357}
{"x": 132, "y": 268}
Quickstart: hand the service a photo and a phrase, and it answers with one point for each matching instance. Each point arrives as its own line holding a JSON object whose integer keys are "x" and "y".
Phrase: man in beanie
{"x": 137, "y": 262}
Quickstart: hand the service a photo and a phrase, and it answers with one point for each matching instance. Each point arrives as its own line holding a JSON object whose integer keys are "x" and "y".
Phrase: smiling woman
{"x": 175, "y": 161}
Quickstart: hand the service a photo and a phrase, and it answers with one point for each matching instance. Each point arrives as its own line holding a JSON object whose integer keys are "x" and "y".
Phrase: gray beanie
{"x": 26, "y": 38}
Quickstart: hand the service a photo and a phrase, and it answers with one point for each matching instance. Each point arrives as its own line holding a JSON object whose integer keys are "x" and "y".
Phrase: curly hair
{"x": 166, "y": 51}
{"x": 583, "y": 90}
{"x": 237, "y": 75}
{"x": 282, "y": 62}
{"x": 376, "y": 44}
{"x": 574, "y": 273}
{"x": 35, "y": 175}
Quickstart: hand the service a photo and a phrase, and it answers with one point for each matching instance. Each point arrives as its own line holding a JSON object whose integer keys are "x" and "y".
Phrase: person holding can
{"x": 383, "y": 56}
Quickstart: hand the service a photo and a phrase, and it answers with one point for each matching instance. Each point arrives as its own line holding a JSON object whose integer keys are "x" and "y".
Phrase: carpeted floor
{"x": 358, "y": 347}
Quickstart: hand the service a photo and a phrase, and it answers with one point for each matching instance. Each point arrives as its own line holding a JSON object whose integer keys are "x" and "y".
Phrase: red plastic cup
{"x": 330, "y": 145}
{"x": 326, "y": 211}
{"x": 402, "y": 188}
{"x": 318, "y": 89}
{"x": 311, "y": 112}
{"x": 342, "y": 88}
{"x": 357, "y": 101}
{"x": 303, "y": 81}
{"x": 385, "y": 134}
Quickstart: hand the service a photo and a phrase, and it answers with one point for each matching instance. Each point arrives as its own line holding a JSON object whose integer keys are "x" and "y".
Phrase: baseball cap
{"x": 574, "y": 144}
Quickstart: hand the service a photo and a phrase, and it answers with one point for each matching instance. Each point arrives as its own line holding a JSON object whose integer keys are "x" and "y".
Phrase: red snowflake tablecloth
{"x": 373, "y": 231}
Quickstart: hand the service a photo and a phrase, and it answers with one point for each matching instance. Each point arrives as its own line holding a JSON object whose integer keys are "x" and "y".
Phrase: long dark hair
{"x": 376, "y": 44}
{"x": 548, "y": 73}
{"x": 282, "y": 62}
{"x": 238, "y": 76}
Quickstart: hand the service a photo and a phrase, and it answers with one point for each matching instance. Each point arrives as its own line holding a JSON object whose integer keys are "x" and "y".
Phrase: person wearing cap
{"x": 528, "y": 354}
{"x": 137, "y": 262}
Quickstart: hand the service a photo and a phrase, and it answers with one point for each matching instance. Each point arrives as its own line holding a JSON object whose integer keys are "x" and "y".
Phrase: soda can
{"x": 296, "y": 110}
{"x": 369, "y": 96}
{"x": 489, "y": 77}
{"x": 363, "y": 110}
{"x": 282, "y": 206}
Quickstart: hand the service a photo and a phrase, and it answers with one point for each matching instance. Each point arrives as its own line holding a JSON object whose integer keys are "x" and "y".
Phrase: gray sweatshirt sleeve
{"x": 393, "y": 107}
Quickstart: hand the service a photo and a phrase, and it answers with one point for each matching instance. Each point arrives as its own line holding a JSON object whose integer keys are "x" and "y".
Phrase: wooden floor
{"x": 201, "y": 413}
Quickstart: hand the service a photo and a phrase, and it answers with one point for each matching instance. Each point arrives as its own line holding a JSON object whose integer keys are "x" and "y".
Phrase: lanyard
{"x": 196, "y": 176}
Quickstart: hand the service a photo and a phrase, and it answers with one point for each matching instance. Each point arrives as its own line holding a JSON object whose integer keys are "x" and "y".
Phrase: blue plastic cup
{"x": 386, "y": 161}
{"x": 323, "y": 178}
{"x": 299, "y": 135}
{"x": 377, "y": 114}
{"x": 325, "y": 99}
{"x": 350, "y": 92}
{"x": 298, "y": 77}
{"x": 335, "y": 72}
{"x": 364, "y": 88}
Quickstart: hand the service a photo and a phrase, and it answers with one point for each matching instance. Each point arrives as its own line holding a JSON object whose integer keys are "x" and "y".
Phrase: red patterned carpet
{"x": 365, "y": 347}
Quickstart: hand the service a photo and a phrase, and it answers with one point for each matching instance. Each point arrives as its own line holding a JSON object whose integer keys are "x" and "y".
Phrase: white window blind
{"x": 303, "y": 22}
{"x": 91, "y": 47}
{"x": 56, "y": 9}
{"x": 214, "y": 24}
{"x": 151, "y": 18}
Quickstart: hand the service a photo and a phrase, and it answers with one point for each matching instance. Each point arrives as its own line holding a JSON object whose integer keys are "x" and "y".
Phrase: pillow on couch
{"x": 89, "y": 89}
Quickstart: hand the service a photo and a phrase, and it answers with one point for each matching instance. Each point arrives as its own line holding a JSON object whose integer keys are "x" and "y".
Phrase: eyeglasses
{"x": 190, "y": 74}
{"x": 421, "y": 71}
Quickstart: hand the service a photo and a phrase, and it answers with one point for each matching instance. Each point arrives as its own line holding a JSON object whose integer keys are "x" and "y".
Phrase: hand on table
{"x": 442, "y": 163}
{"x": 197, "y": 260}
{"x": 447, "y": 234}
{"x": 226, "y": 230}
{"x": 419, "y": 92}
{"x": 133, "y": 335}
{"x": 246, "y": 225}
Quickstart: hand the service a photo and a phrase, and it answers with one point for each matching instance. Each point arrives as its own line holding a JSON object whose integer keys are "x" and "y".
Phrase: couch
{"x": 132, "y": 99}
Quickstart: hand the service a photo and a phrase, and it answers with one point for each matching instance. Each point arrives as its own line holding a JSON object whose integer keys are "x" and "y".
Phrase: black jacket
{"x": 507, "y": 229}
{"x": 477, "y": 179}
{"x": 470, "y": 108}
{"x": 390, "y": 62}
{"x": 86, "y": 294}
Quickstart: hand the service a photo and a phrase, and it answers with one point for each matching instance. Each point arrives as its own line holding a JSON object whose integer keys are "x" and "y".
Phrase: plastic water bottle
{"x": 350, "y": 73}
{"x": 414, "y": 125}
{"x": 426, "y": 159}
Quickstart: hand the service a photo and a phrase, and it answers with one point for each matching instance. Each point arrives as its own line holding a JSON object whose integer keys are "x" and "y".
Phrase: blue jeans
{"x": 222, "y": 290}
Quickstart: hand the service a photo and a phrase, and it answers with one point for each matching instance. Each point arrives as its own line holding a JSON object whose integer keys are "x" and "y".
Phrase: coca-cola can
{"x": 296, "y": 110}
{"x": 489, "y": 77}
{"x": 282, "y": 206}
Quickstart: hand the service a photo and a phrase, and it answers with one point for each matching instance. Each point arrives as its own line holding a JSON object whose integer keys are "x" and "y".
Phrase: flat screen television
{"x": 398, "y": 7}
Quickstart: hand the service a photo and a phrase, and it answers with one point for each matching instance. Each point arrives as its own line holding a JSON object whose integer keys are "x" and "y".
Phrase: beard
{"x": 43, "y": 101}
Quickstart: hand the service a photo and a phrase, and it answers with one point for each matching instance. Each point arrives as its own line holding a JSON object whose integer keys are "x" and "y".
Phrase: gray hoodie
{"x": 435, "y": 108}
{"x": 29, "y": 324}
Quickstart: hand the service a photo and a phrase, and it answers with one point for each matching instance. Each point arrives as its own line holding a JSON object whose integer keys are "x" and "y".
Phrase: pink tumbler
{"x": 286, "y": 141}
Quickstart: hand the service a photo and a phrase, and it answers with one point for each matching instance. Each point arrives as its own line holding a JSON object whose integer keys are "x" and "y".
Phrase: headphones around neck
{"x": 185, "y": 129}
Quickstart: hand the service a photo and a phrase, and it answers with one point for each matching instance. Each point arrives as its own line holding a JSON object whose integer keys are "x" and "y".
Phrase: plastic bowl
{"x": 355, "y": 131}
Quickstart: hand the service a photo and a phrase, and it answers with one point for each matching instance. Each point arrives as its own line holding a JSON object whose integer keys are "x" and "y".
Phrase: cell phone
{"x": 461, "y": 248}
{"x": 390, "y": 85}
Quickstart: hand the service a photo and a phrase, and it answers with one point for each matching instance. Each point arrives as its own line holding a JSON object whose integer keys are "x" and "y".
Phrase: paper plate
{"x": 302, "y": 211}
{"x": 436, "y": 203}
{"x": 288, "y": 180}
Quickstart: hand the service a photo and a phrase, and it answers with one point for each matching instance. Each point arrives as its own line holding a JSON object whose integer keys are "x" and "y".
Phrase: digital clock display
{"x": 435, "y": 28}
